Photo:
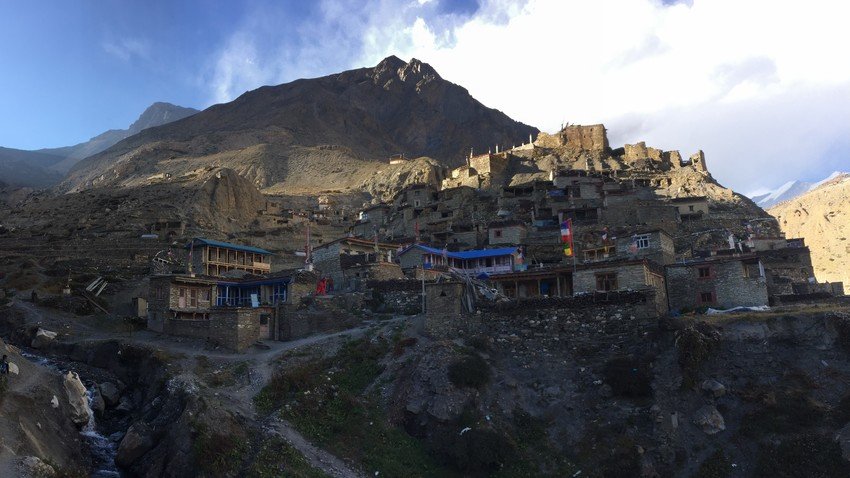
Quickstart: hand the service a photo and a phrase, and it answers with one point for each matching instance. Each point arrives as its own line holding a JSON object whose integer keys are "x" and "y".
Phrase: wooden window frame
{"x": 605, "y": 279}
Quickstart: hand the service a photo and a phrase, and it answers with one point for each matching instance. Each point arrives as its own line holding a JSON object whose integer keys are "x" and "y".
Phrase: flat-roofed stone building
{"x": 719, "y": 282}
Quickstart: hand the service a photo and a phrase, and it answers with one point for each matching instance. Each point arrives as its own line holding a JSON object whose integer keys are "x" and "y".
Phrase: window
{"x": 642, "y": 241}
{"x": 691, "y": 208}
{"x": 193, "y": 298}
{"x": 576, "y": 190}
{"x": 497, "y": 233}
{"x": 606, "y": 282}
{"x": 182, "y": 292}
{"x": 416, "y": 203}
{"x": 704, "y": 272}
{"x": 706, "y": 297}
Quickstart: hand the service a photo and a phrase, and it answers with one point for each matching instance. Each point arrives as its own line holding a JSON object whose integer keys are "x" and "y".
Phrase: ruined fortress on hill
{"x": 575, "y": 147}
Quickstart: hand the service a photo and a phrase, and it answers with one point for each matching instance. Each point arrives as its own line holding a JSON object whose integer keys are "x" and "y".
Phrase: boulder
{"x": 715, "y": 388}
{"x": 136, "y": 442}
{"x": 43, "y": 338}
{"x": 843, "y": 439}
{"x": 77, "y": 398}
{"x": 33, "y": 467}
{"x": 98, "y": 405}
{"x": 125, "y": 405}
{"x": 110, "y": 393}
{"x": 710, "y": 420}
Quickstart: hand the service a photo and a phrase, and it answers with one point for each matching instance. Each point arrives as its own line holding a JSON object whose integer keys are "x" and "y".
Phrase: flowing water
{"x": 102, "y": 449}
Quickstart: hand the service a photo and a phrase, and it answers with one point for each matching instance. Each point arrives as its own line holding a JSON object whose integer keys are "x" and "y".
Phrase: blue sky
{"x": 758, "y": 85}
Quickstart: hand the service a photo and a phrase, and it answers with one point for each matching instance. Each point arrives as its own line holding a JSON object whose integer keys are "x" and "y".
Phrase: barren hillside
{"x": 292, "y": 133}
{"x": 822, "y": 217}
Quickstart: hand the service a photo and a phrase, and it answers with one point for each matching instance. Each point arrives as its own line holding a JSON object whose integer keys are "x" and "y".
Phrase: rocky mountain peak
{"x": 392, "y": 69}
{"x": 158, "y": 114}
{"x": 415, "y": 71}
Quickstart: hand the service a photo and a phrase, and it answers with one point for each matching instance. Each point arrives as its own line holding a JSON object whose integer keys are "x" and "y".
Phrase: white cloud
{"x": 127, "y": 48}
{"x": 755, "y": 84}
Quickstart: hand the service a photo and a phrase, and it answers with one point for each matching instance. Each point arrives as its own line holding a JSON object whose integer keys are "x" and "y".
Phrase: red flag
{"x": 567, "y": 237}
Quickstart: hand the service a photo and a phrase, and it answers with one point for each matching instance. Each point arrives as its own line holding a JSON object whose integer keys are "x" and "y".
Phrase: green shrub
{"x": 694, "y": 345}
{"x": 469, "y": 371}
{"x": 276, "y": 458}
{"x": 217, "y": 453}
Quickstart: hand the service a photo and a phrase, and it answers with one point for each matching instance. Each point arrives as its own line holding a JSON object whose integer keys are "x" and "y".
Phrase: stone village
{"x": 562, "y": 222}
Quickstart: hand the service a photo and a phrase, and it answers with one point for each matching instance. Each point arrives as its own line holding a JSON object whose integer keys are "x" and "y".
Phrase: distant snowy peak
{"x": 792, "y": 189}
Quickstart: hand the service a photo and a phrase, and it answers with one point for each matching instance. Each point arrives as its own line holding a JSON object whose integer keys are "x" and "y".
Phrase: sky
{"x": 762, "y": 86}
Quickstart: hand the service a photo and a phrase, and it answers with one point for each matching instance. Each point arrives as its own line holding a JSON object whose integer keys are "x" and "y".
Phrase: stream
{"x": 102, "y": 449}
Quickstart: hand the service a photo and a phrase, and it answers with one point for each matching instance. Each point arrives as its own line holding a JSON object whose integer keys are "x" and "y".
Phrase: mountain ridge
{"x": 47, "y": 166}
{"x": 360, "y": 115}
{"x": 789, "y": 191}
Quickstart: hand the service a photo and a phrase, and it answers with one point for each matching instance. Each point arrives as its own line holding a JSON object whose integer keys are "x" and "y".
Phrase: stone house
{"x": 375, "y": 214}
{"x": 787, "y": 264}
{"x": 653, "y": 244}
{"x": 485, "y": 171}
{"x": 578, "y": 184}
{"x": 506, "y": 233}
{"x": 471, "y": 263}
{"x": 622, "y": 275}
{"x": 343, "y": 259}
{"x": 695, "y": 207}
{"x": 544, "y": 282}
{"x": 629, "y": 209}
{"x": 445, "y": 307}
{"x": 183, "y": 305}
{"x": 179, "y": 296}
{"x": 370, "y": 221}
{"x": 235, "y": 313}
{"x": 216, "y": 258}
{"x": 417, "y": 196}
{"x": 718, "y": 282}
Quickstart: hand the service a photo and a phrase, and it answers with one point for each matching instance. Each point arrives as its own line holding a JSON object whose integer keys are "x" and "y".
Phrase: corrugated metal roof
{"x": 474, "y": 254}
{"x": 227, "y": 245}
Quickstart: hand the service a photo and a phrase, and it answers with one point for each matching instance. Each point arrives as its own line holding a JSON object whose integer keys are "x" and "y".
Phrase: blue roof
{"x": 474, "y": 254}
{"x": 227, "y": 245}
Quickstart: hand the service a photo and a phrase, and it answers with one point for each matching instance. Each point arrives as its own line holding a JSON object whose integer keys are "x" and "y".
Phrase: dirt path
{"x": 318, "y": 458}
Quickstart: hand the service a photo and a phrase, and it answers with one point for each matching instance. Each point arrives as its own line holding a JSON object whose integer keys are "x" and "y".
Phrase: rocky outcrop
{"x": 713, "y": 387}
{"x": 34, "y": 467}
{"x": 431, "y": 395}
{"x": 43, "y": 339}
{"x": 110, "y": 393}
{"x": 227, "y": 194}
{"x": 32, "y": 430}
{"x": 136, "y": 442}
{"x": 77, "y": 398}
{"x": 710, "y": 420}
